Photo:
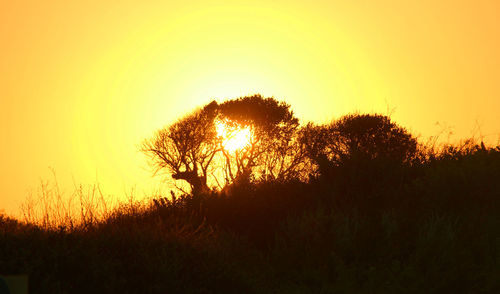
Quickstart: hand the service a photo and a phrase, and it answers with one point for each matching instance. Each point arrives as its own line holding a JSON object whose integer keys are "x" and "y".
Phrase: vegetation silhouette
{"x": 186, "y": 148}
{"x": 354, "y": 206}
{"x": 191, "y": 150}
{"x": 358, "y": 152}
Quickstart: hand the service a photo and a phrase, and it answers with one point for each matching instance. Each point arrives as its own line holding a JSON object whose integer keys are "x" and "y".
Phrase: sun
{"x": 233, "y": 137}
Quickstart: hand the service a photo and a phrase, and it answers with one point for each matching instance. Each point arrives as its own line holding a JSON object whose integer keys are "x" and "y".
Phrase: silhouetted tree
{"x": 371, "y": 136}
{"x": 318, "y": 143}
{"x": 357, "y": 138}
{"x": 273, "y": 147}
{"x": 191, "y": 150}
{"x": 187, "y": 148}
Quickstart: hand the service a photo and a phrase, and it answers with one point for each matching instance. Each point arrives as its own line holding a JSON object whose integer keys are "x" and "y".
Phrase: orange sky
{"x": 84, "y": 82}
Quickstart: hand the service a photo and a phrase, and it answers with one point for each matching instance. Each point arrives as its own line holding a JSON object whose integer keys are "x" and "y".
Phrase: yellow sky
{"x": 84, "y": 82}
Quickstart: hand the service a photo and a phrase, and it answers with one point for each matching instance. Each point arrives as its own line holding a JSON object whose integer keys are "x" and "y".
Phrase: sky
{"x": 83, "y": 83}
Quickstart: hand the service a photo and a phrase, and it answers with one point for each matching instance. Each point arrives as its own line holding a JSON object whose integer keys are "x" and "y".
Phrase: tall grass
{"x": 51, "y": 209}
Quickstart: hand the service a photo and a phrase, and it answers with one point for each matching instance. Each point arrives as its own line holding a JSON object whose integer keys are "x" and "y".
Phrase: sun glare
{"x": 233, "y": 138}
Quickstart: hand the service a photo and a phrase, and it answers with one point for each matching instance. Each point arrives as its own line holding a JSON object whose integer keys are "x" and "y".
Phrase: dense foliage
{"x": 190, "y": 149}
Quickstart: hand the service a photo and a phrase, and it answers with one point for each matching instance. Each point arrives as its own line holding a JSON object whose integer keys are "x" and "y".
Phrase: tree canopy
{"x": 193, "y": 150}
{"x": 372, "y": 136}
{"x": 272, "y": 146}
{"x": 186, "y": 148}
{"x": 358, "y": 140}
